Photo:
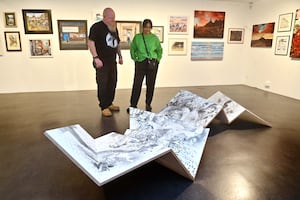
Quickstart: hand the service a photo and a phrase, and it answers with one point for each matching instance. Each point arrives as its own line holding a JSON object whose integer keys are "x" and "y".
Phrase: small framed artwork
{"x": 72, "y": 34}
{"x": 10, "y": 19}
{"x": 127, "y": 30}
{"x": 12, "y": 41}
{"x": 159, "y": 32}
{"x": 40, "y": 48}
{"x": 37, "y": 21}
{"x": 177, "y": 46}
{"x": 236, "y": 36}
{"x": 282, "y": 44}
{"x": 285, "y": 22}
{"x": 178, "y": 25}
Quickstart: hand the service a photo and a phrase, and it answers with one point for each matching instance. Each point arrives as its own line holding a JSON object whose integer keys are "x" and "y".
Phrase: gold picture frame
{"x": 10, "y": 20}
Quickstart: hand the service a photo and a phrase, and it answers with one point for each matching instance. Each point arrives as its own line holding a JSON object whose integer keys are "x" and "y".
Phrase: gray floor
{"x": 240, "y": 161}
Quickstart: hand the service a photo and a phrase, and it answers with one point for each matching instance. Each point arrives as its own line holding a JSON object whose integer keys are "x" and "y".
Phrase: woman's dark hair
{"x": 147, "y": 21}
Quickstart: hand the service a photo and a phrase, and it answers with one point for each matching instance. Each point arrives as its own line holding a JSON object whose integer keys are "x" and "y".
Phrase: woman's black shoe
{"x": 128, "y": 109}
{"x": 148, "y": 108}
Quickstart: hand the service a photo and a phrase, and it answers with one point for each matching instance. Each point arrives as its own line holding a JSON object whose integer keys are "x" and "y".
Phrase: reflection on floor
{"x": 241, "y": 160}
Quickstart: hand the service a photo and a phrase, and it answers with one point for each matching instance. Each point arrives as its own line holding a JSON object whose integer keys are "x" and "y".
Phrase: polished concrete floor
{"x": 241, "y": 161}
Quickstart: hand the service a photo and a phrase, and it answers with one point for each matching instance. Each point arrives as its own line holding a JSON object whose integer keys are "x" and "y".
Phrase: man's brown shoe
{"x": 113, "y": 107}
{"x": 106, "y": 112}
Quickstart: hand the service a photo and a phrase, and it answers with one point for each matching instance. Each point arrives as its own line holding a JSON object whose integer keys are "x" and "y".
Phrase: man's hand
{"x": 120, "y": 60}
{"x": 98, "y": 63}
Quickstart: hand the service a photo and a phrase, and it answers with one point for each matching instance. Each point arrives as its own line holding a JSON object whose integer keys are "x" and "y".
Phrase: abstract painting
{"x": 207, "y": 50}
{"x": 295, "y": 48}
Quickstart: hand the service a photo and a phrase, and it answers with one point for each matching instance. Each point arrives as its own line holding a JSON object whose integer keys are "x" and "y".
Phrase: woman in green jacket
{"x": 146, "y": 52}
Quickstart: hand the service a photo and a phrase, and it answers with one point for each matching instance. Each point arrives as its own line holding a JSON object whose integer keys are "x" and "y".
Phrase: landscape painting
{"x": 209, "y": 24}
{"x": 262, "y": 35}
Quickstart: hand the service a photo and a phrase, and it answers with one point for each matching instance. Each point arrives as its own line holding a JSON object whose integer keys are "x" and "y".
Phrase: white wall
{"x": 262, "y": 64}
{"x": 72, "y": 70}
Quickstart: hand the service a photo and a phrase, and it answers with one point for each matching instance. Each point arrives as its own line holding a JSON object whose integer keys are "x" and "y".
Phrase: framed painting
{"x": 282, "y": 43}
{"x": 127, "y": 30}
{"x": 12, "y": 41}
{"x": 37, "y": 21}
{"x": 295, "y": 47}
{"x": 262, "y": 35}
{"x": 207, "y": 51}
{"x": 208, "y": 24}
{"x": 159, "y": 32}
{"x": 285, "y": 22}
{"x": 40, "y": 48}
{"x": 72, "y": 34}
{"x": 236, "y": 36}
{"x": 10, "y": 19}
{"x": 177, "y": 46}
{"x": 178, "y": 25}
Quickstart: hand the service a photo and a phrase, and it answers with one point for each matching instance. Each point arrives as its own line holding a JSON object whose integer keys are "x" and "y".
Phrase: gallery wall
{"x": 72, "y": 70}
{"x": 262, "y": 67}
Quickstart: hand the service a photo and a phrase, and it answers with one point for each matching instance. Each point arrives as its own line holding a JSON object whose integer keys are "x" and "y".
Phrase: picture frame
{"x": 236, "y": 35}
{"x": 178, "y": 24}
{"x": 177, "y": 46}
{"x": 40, "y": 48}
{"x": 10, "y": 20}
{"x": 127, "y": 31}
{"x": 37, "y": 21}
{"x": 285, "y": 22}
{"x": 12, "y": 41}
{"x": 72, "y": 34}
{"x": 159, "y": 32}
{"x": 282, "y": 44}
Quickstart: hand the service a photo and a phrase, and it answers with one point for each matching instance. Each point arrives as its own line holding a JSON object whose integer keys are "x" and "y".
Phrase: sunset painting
{"x": 209, "y": 24}
{"x": 262, "y": 35}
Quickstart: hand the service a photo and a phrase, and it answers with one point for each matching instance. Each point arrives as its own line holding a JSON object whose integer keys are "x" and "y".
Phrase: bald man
{"x": 104, "y": 46}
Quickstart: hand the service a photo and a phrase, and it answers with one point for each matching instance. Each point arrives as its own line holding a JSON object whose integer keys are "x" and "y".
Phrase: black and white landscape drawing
{"x": 175, "y": 137}
{"x": 188, "y": 146}
{"x": 115, "y": 156}
{"x": 232, "y": 110}
{"x": 187, "y": 106}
